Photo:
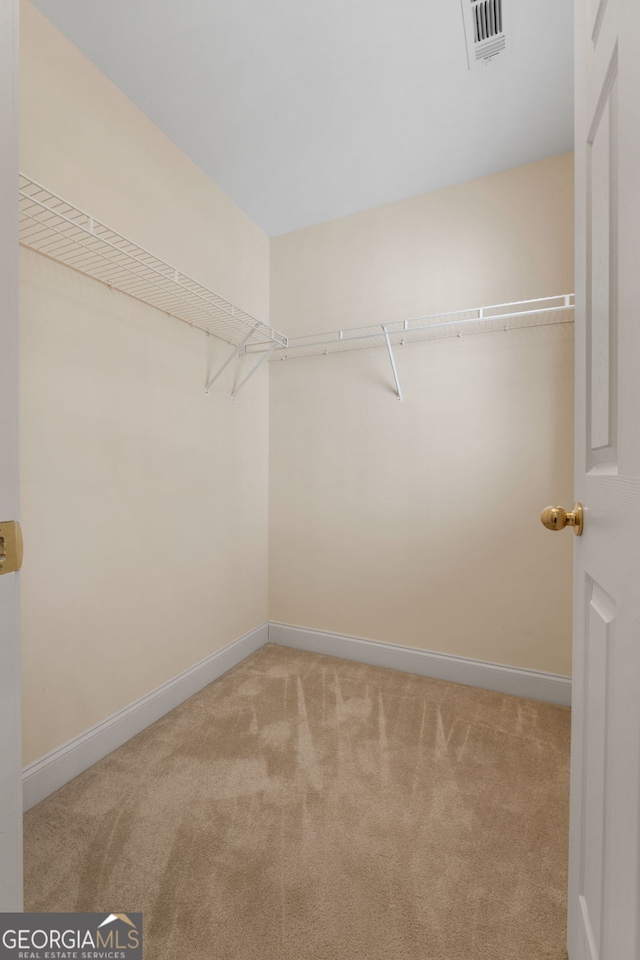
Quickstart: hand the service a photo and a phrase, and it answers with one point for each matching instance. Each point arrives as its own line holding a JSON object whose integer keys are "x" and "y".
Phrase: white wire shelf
{"x": 503, "y": 316}
{"x": 57, "y": 229}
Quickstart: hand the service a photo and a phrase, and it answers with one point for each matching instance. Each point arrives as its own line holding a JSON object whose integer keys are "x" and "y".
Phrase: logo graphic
{"x": 70, "y": 936}
{"x": 118, "y": 916}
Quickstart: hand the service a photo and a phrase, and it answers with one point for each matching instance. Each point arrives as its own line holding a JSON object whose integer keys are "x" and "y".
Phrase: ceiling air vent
{"x": 485, "y": 29}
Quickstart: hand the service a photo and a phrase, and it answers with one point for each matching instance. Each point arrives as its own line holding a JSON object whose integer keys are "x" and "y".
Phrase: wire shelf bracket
{"x": 236, "y": 352}
{"x": 393, "y": 363}
{"x": 265, "y": 356}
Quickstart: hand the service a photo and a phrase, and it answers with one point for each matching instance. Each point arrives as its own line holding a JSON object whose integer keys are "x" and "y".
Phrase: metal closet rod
{"x": 398, "y": 327}
{"x": 265, "y": 349}
{"x": 341, "y": 339}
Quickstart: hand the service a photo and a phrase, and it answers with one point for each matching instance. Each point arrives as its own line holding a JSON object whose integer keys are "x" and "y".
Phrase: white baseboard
{"x": 533, "y": 684}
{"x": 49, "y": 773}
{"x": 46, "y": 775}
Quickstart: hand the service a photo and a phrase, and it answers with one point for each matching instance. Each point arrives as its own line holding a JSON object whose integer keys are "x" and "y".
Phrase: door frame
{"x": 11, "y": 873}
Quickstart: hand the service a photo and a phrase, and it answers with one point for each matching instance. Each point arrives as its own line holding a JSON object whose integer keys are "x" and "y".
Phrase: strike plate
{"x": 10, "y": 546}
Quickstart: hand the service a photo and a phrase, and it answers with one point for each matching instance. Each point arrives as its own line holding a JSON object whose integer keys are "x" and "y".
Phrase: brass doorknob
{"x": 557, "y": 518}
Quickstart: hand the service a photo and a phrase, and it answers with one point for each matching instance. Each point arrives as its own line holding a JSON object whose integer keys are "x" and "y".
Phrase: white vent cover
{"x": 486, "y": 30}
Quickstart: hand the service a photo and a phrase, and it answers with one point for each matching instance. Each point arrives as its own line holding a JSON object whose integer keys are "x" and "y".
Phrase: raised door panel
{"x": 599, "y": 651}
{"x": 602, "y": 228}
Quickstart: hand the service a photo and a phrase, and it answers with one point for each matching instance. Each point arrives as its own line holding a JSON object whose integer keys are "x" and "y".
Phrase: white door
{"x": 10, "y": 738}
{"x": 604, "y": 873}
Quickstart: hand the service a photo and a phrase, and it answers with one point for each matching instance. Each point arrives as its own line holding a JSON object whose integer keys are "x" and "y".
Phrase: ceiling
{"x": 306, "y": 110}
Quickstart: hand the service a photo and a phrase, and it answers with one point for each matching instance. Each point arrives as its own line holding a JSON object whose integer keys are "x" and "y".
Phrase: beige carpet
{"x": 309, "y": 808}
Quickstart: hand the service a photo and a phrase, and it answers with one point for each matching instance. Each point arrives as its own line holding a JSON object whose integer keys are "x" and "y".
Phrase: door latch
{"x": 10, "y": 546}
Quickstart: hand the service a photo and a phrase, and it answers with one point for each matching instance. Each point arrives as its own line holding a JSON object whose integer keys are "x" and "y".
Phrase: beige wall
{"x": 144, "y": 502}
{"x": 417, "y": 523}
